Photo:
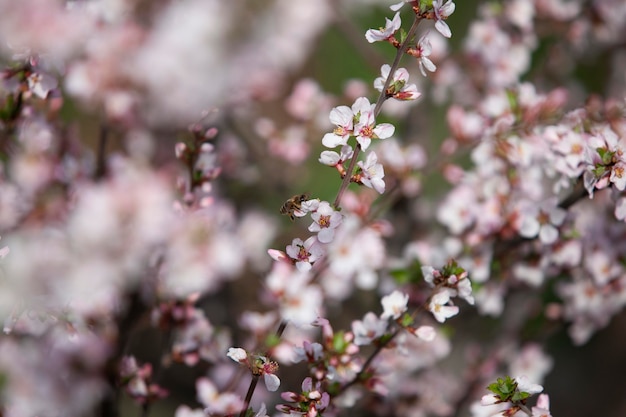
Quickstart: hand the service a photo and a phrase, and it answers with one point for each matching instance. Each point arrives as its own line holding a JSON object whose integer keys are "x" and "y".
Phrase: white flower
{"x": 272, "y": 382}
{"x": 343, "y": 118}
{"x": 424, "y": 50}
{"x": 369, "y": 329}
{"x": 394, "y": 305}
{"x": 332, "y": 158}
{"x": 325, "y": 220}
{"x": 373, "y": 35}
{"x": 426, "y": 333}
{"x": 489, "y": 399}
{"x": 464, "y": 289}
{"x": 304, "y": 253}
{"x": 428, "y": 272}
{"x": 438, "y": 306}
{"x": 237, "y": 354}
{"x": 372, "y": 173}
{"x": 524, "y": 385}
{"x": 442, "y": 11}
{"x": 366, "y": 129}
{"x": 542, "y": 220}
{"x": 398, "y": 6}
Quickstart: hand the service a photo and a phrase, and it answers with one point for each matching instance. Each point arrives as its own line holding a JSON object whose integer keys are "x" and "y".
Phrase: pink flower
{"x": 366, "y": 129}
{"x": 426, "y": 333}
{"x": 40, "y": 84}
{"x": 343, "y": 118}
{"x": 304, "y": 253}
{"x": 372, "y": 173}
{"x": 216, "y": 402}
{"x": 310, "y": 352}
{"x": 542, "y": 409}
{"x": 332, "y": 158}
{"x": 382, "y": 34}
{"x": 443, "y": 11}
{"x": 424, "y": 49}
{"x": 398, "y": 87}
{"x": 325, "y": 220}
{"x": 368, "y": 330}
{"x": 542, "y": 220}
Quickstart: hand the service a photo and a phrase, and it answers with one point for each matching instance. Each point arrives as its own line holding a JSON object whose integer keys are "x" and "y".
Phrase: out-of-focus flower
{"x": 394, "y": 305}
{"x": 369, "y": 329}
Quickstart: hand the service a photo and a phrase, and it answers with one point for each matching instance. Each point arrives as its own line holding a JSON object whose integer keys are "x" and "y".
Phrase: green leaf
{"x": 519, "y": 396}
{"x": 272, "y": 340}
{"x": 452, "y": 268}
{"x": 407, "y": 320}
{"x": 605, "y": 155}
{"x": 504, "y": 388}
{"x": 402, "y": 38}
{"x": 339, "y": 342}
{"x": 400, "y": 276}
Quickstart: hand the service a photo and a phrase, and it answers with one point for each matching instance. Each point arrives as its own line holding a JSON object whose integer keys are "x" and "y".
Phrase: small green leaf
{"x": 401, "y": 276}
{"x": 339, "y": 342}
{"x": 272, "y": 340}
{"x": 407, "y": 320}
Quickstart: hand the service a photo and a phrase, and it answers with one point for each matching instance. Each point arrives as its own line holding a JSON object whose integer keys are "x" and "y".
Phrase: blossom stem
{"x": 251, "y": 388}
{"x": 101, "y": 166}
{"x": 525, "y": 409}
{"x": 346, "y": 179}
{"x": 381, "y": 99}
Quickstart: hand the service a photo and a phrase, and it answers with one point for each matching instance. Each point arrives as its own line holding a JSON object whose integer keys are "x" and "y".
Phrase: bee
{"x": 293, "y": 204}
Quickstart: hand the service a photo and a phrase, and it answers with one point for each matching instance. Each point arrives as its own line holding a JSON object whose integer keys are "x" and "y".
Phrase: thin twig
{"x": 101, "y": 156}
{"x": 251, "y": 388}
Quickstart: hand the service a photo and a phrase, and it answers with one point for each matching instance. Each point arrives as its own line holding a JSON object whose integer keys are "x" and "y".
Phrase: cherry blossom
{"x": 216, "y": 402}
{"x": 394, "y": 305}
{"x": 440, "y": 308}
{"x": 542, "y": 409}
{"x": 398, "y": 87}
{"x": 325, "y": 220}
{"x": 237, "y": 354}
{"x": 305, "y": 253}
{"x": 424, "y": 50}
{"x": 366, "y": 128}
{"x": 382, "y": 34}
{"x": 309, "y": 352}
{"x": 443, "y": 11}
{"x": 332, "y": 158}
{"x": 524, "y": 384}
{"x": 372, "y": 173}
{"x": 542, "y": 220}
{"x": 41, "y": 83}
{"x": 343, "y": 118}
{"x": 369, "y": 329}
